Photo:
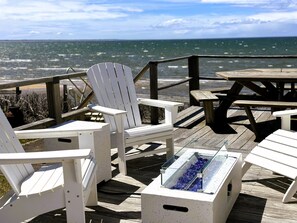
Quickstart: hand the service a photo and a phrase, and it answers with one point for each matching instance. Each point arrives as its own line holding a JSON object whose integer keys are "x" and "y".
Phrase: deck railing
{"x": 194, "y": 76}
{"x": 53, "y": 83}
{"x": 54, "y": 99}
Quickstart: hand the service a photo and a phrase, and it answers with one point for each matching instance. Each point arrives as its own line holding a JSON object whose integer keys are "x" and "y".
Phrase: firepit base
{"x": 160, "y": 204}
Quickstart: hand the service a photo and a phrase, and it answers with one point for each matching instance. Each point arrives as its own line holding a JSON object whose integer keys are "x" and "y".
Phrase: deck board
{"x": 260, "y": 197}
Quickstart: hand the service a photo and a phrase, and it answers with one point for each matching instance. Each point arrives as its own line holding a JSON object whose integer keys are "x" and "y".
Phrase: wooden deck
{"x": 259, "y": 200}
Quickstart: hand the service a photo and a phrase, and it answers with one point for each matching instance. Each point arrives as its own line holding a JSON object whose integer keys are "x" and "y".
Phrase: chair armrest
{"x": 116, "y": 113}
{"x": 285, "y": 117}
{"x": 171, "y": 108}
{"x": 158, "y": 103}
{"x": 44, "y": 157}
{"x": 107, "y": 111}
{"x": 47, "y": 133}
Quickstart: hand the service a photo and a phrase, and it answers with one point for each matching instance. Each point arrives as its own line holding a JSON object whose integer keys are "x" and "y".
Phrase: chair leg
{"x": 74, "y": 199}
{"x": 245, "y": 167}
{"x": 170, "y": 148}
{"x": 93, "y": 196}
{"x": 121, "y": 154}
{"x": 290, "y": 192}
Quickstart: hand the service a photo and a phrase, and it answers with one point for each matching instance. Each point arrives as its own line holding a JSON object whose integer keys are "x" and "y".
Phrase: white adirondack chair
{"x": 68, "y": 182}
{"x": 115, "y": 92}
{"x": 278, "y": 153}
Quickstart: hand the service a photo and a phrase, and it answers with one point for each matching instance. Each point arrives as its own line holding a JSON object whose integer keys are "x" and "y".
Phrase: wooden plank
{"x": 133, "y": 116}
{"x": 189, "y": 116}
{"x": 132, "y": 95}
{"x": 54, "y": 100}
{"x": 271, "y": 165}
{"x": 202, "y": 95}
{"x": 257, "y": 103}
{"x": 279, "y": 157}
{"x": 218, "y": 89}
{"x": 101, "y": 94}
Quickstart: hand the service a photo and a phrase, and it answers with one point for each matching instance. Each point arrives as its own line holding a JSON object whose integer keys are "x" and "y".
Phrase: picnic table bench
{"x": 247, "y": 104}
{"x": 207, "y": 98}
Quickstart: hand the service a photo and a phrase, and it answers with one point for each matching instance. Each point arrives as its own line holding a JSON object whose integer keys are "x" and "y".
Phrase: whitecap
{"x": 20, "y": 68}
{"x": 161, "y": 80}
{"x": 13, "y": 68}
{"x": 172, "y": 67}
{"x": 289, "y": 65}
{"x": 54, "y": 60}
{"x": 52, "y": 68}
{"x": 270, "y": 65}
{"x": 16, "y": 60}
{"x": 145, "y": 51}
{"x": 214, "y": 61}
{"x": 100, "y": 53}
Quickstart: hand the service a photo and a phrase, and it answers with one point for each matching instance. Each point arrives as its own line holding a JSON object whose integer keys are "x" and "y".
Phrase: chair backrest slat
{"x": 9, "y": 143}
{"x": 114, "y": 88}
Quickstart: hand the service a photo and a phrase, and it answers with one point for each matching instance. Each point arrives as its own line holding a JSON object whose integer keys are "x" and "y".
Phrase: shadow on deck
{"x": 261, "y": 194}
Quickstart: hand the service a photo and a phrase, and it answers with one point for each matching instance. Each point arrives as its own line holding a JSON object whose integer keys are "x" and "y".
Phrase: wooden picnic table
{"x": 270, "y": 84}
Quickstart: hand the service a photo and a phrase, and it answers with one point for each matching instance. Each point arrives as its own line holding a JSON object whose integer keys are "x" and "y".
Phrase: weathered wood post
{"x": 154, "y": 90}
{"x": 193, "y": 69}
{"x": 65, "y": 98}
{"x": 54, "y": 99}
{"x": 17, "y": 94}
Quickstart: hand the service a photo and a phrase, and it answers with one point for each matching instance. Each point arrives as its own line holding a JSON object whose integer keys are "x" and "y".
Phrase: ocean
{"x": 40, "y": 58}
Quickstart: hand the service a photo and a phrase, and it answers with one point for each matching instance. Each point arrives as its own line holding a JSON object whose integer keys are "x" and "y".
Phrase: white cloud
{"x": 34, "y": 32}
{"x": 177, "y": 22}
{"x": 59, "y": 11}
{"x": 276, "y": 17}
{"x": 182, "y": 31}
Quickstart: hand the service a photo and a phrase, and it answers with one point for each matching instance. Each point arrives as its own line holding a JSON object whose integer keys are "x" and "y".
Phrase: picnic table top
{"x": 263, "y": 74}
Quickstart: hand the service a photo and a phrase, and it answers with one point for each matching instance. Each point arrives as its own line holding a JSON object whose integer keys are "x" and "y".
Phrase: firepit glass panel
{"x": 191, "y": 170}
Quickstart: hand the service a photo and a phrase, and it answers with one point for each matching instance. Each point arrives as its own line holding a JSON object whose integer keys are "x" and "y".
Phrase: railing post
{"x": 17, "y": 94}
{"x": 54, "y": 99}
{"x": 154, "y": 90}
{"x": 193, "y": 66}
{"x": 65, "y": 98}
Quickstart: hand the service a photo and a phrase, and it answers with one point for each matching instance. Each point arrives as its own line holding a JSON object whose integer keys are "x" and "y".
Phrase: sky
{"x": 146, "y": 19}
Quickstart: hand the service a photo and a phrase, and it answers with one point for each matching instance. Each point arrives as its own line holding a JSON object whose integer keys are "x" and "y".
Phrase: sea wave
{"x": 6, "y": 60}
{"x": 52, "y": 68}
{"x": 13, "y": 68}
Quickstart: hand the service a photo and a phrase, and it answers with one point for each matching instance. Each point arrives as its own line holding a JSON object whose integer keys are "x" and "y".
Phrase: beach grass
{"x": 4, "y": 185}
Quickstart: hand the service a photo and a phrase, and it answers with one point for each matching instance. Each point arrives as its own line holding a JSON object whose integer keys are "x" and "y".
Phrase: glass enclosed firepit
{"x": 196, "y": 185}
{"x": 191, "y": 170}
